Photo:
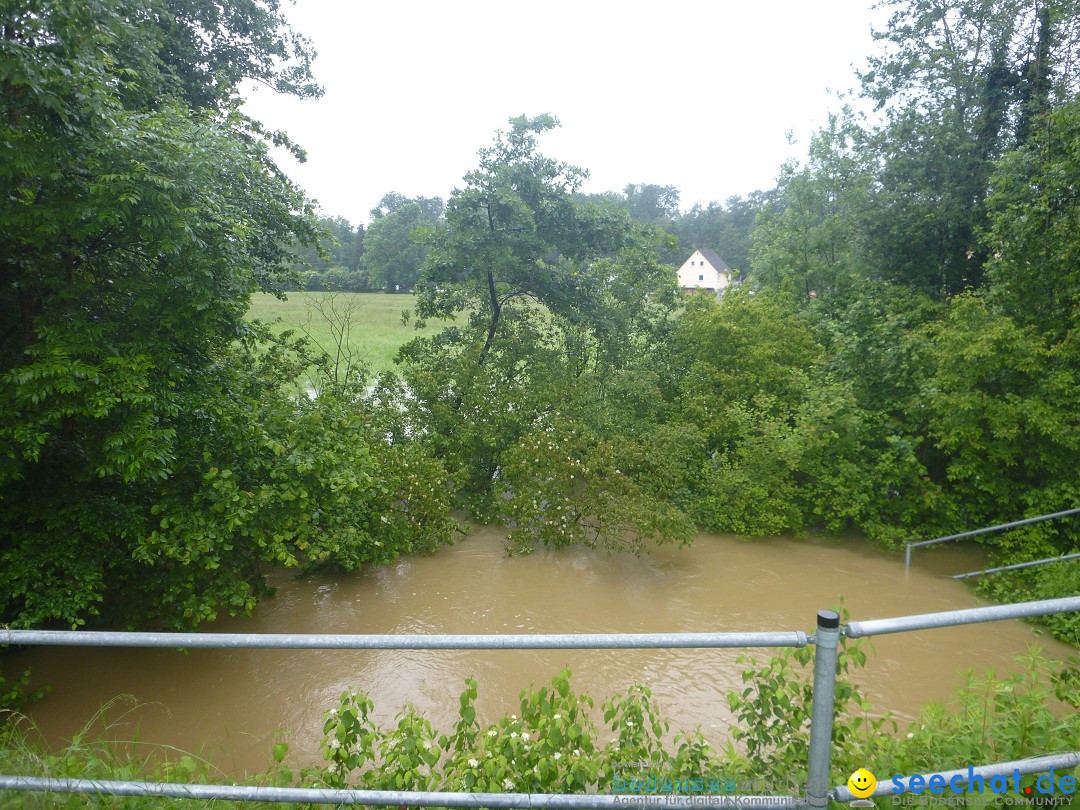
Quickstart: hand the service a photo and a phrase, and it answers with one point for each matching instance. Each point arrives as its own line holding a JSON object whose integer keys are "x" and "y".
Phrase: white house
{"x": 705, "y": 271}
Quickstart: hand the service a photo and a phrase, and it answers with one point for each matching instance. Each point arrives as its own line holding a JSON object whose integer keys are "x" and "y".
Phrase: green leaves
{"x": 566, "y": 485}
{"x": 555, "y": 745}
{"x": 153, "y": 457}
{"x": 394, "y": 242}
{"x": 562, "y": 300}
{"x": 1002, "y": 402}
{"x": 1032, "y": 233}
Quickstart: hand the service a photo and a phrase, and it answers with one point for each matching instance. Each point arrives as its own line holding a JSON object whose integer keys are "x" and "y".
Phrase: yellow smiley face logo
{"x": 861, "y": 783}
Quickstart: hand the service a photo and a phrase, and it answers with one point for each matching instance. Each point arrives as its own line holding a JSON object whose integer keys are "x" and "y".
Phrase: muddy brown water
{"x": 228, "y": 704}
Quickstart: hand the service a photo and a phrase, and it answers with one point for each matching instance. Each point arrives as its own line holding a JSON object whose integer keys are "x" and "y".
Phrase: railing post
{"x": 907, "y": 555}
{"x": 821, "y": 712}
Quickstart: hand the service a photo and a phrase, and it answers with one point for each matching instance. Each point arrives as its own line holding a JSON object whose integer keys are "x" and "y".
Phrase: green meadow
{"x": 376, "y": 329}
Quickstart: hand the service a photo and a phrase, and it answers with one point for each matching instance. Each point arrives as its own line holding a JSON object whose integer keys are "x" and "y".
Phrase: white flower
{"x": 492, "y": 733}
{"x": 513, "y": 717}
{"x": 513, "y": 735}
{"x": 629, "y": 723}
{"x": 525, "y": 736}
{"x": 577, "y": 752}
{"x": 508, "y": 783}
{"x": 335, "y": 767}
{"x": 557, "y": 717}
{"x": 536, "y": 769}
{"x": 335, "y": 742}
{"x": 557, "y": 755}
{"x": 427, "y": 745}
{"x": 910, "y": 735}
{"x": 333, "y": 712}
{"x": 473, "y": 763}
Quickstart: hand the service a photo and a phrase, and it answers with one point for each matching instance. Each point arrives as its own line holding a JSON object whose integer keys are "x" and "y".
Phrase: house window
{"x": 701, "y": 278}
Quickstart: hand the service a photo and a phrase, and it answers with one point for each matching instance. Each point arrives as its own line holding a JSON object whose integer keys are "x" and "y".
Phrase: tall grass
{"x": 376, "y": 330}
{"x": 99, "y": 751}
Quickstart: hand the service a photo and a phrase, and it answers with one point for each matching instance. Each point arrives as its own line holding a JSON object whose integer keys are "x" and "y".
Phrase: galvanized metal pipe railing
{"x": 85, "y": 638}
{"x": 403, "y": 798}
{"x": 826, "y": 641}
{"x": 988, "y": 530}
{"x": 313, "y": 641}
{"x": 953, "y": 618}
{"x": 1017, "y": 566}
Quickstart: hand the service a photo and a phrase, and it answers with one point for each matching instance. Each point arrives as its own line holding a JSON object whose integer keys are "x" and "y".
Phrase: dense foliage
{"x": 559, "y": 303}
{"x": 152, "y": 455}
{"x": 394, "y": 246}
{"x": 554, "y": 744}
{"x": 900, "y": 358}
{"x": 333, "y": 263}
{"x": 930, "y": 254}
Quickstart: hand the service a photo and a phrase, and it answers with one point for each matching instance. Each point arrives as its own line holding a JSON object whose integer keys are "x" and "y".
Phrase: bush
{"x": 555, "y": 746}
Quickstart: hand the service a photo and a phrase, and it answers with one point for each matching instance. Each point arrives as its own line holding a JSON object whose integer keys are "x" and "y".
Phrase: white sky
{"x": 699, "y": 95}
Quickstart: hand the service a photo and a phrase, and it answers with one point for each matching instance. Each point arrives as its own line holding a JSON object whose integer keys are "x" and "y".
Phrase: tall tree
{"x": 394, "y": 242}
{"x": 151, "y": 460}
{"x": 649, "y": 202}
{"x": 1033, "y": 235}
{"x": 810, "y": 242}
{"x": 957, "y": 83}
{"x": 552, "y": 298}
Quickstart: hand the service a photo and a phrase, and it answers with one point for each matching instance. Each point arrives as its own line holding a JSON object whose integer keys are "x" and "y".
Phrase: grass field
{"x": 377, "y": 330}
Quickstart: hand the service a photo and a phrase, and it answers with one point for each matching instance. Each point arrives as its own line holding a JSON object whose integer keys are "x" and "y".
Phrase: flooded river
{"x": 229, "y": 704}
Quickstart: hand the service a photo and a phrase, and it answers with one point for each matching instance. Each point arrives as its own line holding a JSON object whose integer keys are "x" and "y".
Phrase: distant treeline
{"x": 387, "y": 254}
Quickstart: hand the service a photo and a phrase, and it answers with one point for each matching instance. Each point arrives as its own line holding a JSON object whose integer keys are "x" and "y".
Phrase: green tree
{"x": 394, "y": 248}
{"x": 553, "y": 299}
{"x": 1003, "y": 411}
{"x": 790, "y": 438}
{"x": 649, "y": 202}
{"x": 747, "y": 365}
{"x": 129, "y": 255}
{"x": 152, "y": 458}
{"x": 809, "y": 243}
{"x": 959, "y": 83}
{"x": 1033, "y": 234}
{"x": 339, "y": 247}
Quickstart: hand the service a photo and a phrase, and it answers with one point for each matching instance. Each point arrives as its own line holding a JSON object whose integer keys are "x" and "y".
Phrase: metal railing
{"x": 826, "y": 641}
{"x": 988, "y": 530}
{"x": 1017, "y": 566}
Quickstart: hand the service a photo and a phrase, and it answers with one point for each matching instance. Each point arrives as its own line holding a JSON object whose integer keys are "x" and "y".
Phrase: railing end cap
{"x": 828, "y": 619}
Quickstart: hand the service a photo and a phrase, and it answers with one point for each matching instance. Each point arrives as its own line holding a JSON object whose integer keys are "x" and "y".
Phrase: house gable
{"x": 705, "y": 270}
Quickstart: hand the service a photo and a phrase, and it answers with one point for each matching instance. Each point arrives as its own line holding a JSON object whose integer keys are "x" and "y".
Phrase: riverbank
{"x": 231, "y": 703}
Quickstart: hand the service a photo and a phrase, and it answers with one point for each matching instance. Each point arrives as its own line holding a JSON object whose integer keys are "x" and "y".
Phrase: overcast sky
{"x": 698, "y": 95}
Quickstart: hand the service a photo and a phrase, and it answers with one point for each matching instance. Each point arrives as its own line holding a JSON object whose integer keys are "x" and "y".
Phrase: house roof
{"x": 712, "y": 258}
